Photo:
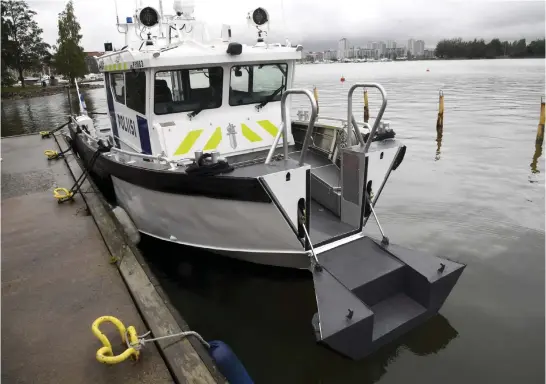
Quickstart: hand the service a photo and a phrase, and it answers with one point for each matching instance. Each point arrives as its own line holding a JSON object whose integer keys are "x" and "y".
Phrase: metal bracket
{"x": 315, "y": 265}
{"x": 385, "y": 239}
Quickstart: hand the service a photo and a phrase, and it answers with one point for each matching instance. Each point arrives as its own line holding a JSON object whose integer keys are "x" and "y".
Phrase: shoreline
{"x": 18, "y": 93}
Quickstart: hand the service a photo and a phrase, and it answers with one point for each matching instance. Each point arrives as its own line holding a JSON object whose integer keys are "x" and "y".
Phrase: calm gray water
{"x": 478, "y": 199}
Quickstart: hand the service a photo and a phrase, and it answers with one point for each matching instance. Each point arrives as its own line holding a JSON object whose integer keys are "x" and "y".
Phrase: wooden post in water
{"x": 69, "y": 99}
{"x": 440, "y": 121}
{"x": 539, "y": 139}
{"x": 540, "y": 129}
{"x": 366, "y": 107}
{"x": 315, "y": 94}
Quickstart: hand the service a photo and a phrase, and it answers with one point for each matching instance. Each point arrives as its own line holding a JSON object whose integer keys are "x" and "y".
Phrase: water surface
{"x": 475, "y": 194}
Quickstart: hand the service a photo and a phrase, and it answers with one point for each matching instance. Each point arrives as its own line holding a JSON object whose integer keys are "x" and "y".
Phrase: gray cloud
{"x": 320, "y": 24}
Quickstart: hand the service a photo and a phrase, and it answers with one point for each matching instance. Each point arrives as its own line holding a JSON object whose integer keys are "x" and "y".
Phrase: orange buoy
{"x": 342, "y": 79}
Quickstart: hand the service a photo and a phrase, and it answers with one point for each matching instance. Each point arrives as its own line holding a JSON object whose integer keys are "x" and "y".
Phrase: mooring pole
{"x": 540, "y": 129}
{"x": 440, "y": 121}
{"x": 315, "y": 94}
{"x": 366, "y": 107}
{"x": 69, "y": 99}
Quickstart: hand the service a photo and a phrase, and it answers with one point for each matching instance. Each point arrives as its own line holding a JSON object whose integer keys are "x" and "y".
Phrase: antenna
{"x": 117, "y": 15}
{"x": 161, "y": 18}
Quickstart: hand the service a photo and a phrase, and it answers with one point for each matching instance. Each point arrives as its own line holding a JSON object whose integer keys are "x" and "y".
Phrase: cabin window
{"x": 188, "y": 90}
{"x": 118, "y": 87}
{"x": 136, "y": 91}
{"x": 262, "y": 83}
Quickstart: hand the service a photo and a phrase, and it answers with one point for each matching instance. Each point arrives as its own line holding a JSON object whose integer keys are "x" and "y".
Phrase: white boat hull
{"x": 250, "y": 231}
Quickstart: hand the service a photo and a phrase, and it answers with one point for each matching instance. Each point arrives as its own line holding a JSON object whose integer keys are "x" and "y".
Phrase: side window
{"x": 240, "y": 79}
{"x": 268, "y": 78}
{"x": 136, "y": 91}
{"x": 118, "y": 87}
{"x": 251, "y": 84}
{"x": 199, "y": 78}
{"x": 188, "y": 90}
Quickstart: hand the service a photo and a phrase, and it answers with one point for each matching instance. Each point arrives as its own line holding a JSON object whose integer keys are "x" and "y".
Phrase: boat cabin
{"x": 190, "y": 96}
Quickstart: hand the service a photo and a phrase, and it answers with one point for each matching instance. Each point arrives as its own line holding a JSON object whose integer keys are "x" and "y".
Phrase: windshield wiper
{"x": 192, "y": 114}
{"x": 200, "y": 107}
{"x": 269, "y": 98}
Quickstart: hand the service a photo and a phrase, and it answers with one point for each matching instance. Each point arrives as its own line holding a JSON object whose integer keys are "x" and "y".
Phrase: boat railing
{"x": 328, "y": 118}
{"x": 351, "y": 118}
{"x": 159, "y": 158}
{"x": 283, "y": 131}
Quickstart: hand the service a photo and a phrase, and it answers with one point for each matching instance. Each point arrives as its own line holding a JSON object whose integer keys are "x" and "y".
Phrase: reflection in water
{"x": 536, "y": 156}
{"x": 264, "y": 314}
{"x": 439, "y": 135}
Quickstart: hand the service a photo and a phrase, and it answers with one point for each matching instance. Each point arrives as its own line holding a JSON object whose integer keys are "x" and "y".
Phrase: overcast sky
{"x": 318, "y": 24}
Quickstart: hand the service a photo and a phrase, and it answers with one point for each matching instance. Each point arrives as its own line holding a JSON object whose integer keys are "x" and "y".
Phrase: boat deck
{"x": 325, "y": 225}
{"x": 57, "y": 279}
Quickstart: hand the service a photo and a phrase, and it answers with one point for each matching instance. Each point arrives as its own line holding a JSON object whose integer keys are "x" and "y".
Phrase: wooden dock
{"x": 57, "y": 279}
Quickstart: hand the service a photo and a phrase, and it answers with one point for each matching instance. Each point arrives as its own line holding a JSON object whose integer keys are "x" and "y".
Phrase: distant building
{"x": 419, "y": 48}
{"x": 428, "y": 54}
{"x": 314, "y": 56}
{"x": 92, "y": 66}
{"x": 342, "y": 48}
{"x": 330, "y": 55}
{"x": 382, "y": 47}
{"x": 391, "y": 44}
{"x": 411, "y": 46}
{"x": 400, "y": 51}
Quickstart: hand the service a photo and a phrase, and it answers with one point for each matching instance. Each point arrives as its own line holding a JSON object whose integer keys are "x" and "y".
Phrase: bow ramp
{"x": 368, "y": 294}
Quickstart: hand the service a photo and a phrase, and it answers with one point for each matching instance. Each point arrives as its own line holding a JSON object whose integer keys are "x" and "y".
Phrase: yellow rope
{"x": 62, "y": 194}
{"x": 51, "y": 154}
{"x": 105, "y": 354}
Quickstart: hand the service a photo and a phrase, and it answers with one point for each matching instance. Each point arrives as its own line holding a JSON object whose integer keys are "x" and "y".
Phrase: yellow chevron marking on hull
{"x": 269, "y": 127}
{"x": 214, "y": 140}
{"x": 188, "y": 142}
{"x": 250, "y": 134}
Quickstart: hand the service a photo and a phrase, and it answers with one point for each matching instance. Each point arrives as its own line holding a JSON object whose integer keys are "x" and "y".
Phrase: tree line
{"x": 479, "y": 49}
{"x": 23, "y": 48}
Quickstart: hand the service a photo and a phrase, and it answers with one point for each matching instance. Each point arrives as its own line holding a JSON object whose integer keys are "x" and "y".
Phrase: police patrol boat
{"x": 202, "y": 152}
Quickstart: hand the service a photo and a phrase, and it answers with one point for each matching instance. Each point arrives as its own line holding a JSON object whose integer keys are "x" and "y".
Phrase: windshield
{"x": 187, "y": 90}
{"x": 250, "y": 84}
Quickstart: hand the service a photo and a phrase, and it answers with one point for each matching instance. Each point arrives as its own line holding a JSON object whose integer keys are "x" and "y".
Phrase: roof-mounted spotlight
{"x": 260, "y": 17}
{"x": 148, "y": 17}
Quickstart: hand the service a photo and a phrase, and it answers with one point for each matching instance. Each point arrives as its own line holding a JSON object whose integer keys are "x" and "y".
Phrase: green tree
{"x": 495, "y": 48}
{"x": 69, "y": 60}
{"x": 22, "y": 44}
{"x": 536, "y": 48}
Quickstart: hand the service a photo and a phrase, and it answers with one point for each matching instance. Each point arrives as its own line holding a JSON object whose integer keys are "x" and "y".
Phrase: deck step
{"x": 394, "y": 313}
{"x": 367, "y": 270}
{"x": 389, "y": 290}
{"x": 326, "y": 187}
{"x": 341, "y": 316}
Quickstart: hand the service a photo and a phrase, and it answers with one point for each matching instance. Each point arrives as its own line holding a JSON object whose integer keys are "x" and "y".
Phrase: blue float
{"x": 228, "y": 363}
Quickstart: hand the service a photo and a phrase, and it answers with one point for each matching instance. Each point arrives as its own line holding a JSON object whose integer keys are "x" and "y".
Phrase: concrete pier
{"x": 57, "y": 279}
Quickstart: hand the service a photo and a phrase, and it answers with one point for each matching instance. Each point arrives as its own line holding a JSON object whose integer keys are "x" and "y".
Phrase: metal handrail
{"x": 343, "y": 121}
{"x": 350, "y": 116}
{"x": 285, "y": 124}
{"x": 160, "y": 157}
